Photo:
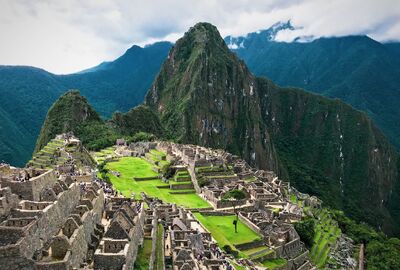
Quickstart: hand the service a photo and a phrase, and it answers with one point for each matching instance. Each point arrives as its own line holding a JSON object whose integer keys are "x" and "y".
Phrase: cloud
{"x": 65, "y": 36}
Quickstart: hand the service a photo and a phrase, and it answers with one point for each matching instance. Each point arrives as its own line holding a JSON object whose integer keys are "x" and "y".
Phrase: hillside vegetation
{"x": 355, "y": 69}
{"x": 26, "y": 94}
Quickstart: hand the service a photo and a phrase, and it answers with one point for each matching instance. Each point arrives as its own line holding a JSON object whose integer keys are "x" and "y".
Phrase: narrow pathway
{"x": 361, "y": 258}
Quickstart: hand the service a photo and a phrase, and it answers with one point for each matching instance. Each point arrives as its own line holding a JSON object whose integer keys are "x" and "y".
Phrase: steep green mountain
{"x": 329, "y": 149}
{"x": 72, "y": 113}
{"x": 26, "y": 94}
{"x": 205, "y": 95}
{"x": 139, "y": 119}
{"x": 355, "y": 69}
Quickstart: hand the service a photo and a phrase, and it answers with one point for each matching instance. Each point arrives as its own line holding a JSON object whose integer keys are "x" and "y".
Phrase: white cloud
{"x": 69, "y": 35}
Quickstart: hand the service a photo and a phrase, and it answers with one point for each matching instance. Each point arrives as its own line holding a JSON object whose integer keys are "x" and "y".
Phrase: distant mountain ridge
{"x": 26, "y": 93}
{"x": 355, "y": 69}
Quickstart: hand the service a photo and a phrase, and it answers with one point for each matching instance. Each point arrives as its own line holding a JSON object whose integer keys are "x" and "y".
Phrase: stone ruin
{"x": 61, "y": 219}
{"x": 267, "y": 208}
{"x": 50, "y": 222}
{"x": 123, "y": 235}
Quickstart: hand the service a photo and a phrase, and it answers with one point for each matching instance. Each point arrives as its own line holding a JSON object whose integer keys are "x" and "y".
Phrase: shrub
{"x": 306, "y": 231}
{"x": 228, "y": 249}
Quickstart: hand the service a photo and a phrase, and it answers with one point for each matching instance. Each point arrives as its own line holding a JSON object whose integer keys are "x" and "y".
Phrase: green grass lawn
{"x": 156, "y": 152}
{"x": 130, "y": 167}
{"x": 223, "y": 231}
{"x": 274, "y": 263}
{"x": 236, "y": 266}
{"x": 252, "y": 251}
{"x": 143, "y": 258}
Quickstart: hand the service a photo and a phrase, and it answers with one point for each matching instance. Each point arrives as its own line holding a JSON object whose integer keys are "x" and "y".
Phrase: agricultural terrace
{"x": 44, "y": 158}
{"x": 131, "y": 168}
{"x": 223, "y": 231}
{"x": 326, "y": 234}
{"x": 105, "y": 153}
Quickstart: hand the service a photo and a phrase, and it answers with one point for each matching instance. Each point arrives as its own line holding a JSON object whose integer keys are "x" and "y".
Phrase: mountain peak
{"x": 201, "y": 34}
{"x": 68, "y": 113}
{"x": 204, "y": 94}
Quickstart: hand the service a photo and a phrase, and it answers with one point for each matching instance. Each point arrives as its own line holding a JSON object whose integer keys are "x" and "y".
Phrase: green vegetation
{"x": 138, "y": 119}
{"x": 143, "y": 257}
{"x": 237, "y": 267}
{"x": 326, "y": 232}
{"x": 274, "y": 263}
{"x": 315, "y": 154}
{"x": 337, "y": 67}
{"x": 45, "y": 158}
{"x": 132, "y": 167}
{"x": 306, "y": 231}
{"x": 55, "y": 153}
{"x": 221, "y": 228}
{"x": 382, "y": 252}
{"x": 159, "y": 261}
{"x": 257, "y": 253}
{"x": 72, "y": 112}
{"x": 26, "y": 94}
{"x": 142, "y": 136}
{"x": 101, "y": 155}
{"x": 234, "y": 195}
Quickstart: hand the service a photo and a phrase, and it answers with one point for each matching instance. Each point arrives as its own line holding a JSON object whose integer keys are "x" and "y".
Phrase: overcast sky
{"x": 70, "y": 35}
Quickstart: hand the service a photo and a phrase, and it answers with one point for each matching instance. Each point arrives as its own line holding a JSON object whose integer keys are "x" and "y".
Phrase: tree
{"x": 234, "y": 196}
{"x": 306, "y": 231}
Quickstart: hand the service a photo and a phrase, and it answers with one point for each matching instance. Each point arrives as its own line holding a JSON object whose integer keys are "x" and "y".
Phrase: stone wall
{"x": 82, "y": 236}
{"x": 53, "y": 217}
{"x": 249, "y": 224}
{"x": 31, "y": 189}
{"x": 181, "y": 186}
{"x": 105, "y": 259}
{"x": 11, "y": 259}
{"x": 251, "y": 245}
{"x": 226, "y": 204}
{"x": 33, "y": 236}
{"x": 8, "y": 201}
{"x": 154, "y": 241}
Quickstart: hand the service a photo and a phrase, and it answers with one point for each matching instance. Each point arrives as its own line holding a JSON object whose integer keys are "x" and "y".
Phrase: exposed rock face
{"x": 205, "y": 95}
